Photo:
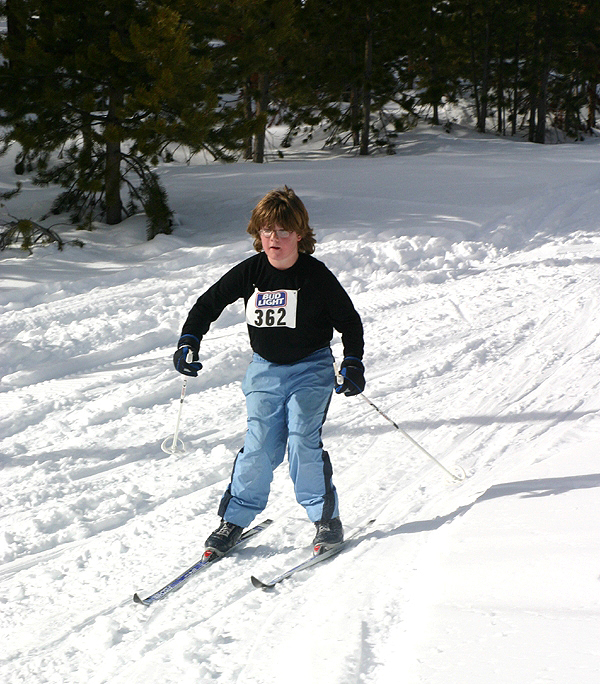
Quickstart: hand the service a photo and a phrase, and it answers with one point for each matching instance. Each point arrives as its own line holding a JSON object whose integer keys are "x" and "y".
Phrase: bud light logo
{"x": 266, "y": 300}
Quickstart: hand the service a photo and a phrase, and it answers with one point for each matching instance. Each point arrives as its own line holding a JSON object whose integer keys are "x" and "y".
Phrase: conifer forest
{"x": 95, "y": 95}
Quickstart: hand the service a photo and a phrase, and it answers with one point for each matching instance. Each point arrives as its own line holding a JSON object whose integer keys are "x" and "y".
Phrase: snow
{"x": 475, "y": 264}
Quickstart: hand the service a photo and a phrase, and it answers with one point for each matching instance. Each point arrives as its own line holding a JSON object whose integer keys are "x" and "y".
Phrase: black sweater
{"x": 290, "y": 313}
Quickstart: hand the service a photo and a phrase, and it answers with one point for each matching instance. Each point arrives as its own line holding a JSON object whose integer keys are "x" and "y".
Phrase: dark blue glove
{"x": 183, "y": 362}
{"x": 353, "y": 377}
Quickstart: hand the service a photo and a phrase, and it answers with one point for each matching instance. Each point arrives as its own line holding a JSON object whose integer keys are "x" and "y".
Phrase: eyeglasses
{"x": 267, "y": 232}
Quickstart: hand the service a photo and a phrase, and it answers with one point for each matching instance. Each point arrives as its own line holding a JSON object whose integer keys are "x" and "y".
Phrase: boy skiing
{"x": 293, "y": 304}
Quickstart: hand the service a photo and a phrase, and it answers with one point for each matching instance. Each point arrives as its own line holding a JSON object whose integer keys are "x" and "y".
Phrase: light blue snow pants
{"x": 287, "y": 405}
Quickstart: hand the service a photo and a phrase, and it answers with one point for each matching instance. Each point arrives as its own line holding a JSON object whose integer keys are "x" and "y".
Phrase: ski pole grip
{"x": 338, "y": 376}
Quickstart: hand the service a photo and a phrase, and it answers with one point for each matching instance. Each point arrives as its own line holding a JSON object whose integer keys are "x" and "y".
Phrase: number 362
{"x": 269, "y": 317}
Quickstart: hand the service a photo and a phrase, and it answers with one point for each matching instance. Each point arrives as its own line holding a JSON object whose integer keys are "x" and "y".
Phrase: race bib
{"x": 272, "y": 309}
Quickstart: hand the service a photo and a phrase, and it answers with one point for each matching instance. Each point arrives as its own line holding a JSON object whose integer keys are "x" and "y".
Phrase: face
{"x": 281, "y": 252}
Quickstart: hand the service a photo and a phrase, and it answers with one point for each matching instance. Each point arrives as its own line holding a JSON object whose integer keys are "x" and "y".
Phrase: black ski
{"x": 208, "y": 557}
{"x": 320, "y": 554}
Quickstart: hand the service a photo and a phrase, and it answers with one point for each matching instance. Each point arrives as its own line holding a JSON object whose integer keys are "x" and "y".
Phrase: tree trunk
{"x": 434, "y": 75}
{"x": 16, "y": 33}
{"x": 515, "y": 107}
{"x": 473, "y": 63}
{"x": 540, "y": 130}
{"x": 248, "y": 115}
{"x": 16, "y": 29}
{"x": 481, "y": 121}
{"x": 366, "y": 93}
{"x": 592, "y": 104}
{"x": 112, "y": 174}
{"x": 262, "y": 106}
{"x": 355, "y": 115}
{"x": 535, "y": 86}
{"x": 501, "y": 99}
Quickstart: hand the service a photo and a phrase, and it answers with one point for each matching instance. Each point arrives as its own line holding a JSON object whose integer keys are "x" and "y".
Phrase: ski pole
{"x": 457, "y": 477}
{"x": 177, "y": 446}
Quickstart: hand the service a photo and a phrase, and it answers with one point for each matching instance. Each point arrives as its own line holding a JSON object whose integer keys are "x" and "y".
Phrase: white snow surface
{"x": 475, "y": 264}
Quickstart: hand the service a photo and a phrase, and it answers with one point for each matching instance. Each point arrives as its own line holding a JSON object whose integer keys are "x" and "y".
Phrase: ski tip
{"x": 138, "y": 599}
{"x": 259, "y": 584}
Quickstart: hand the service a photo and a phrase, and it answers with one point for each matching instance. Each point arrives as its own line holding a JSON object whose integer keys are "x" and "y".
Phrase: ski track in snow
{"x": 477, "y": 275}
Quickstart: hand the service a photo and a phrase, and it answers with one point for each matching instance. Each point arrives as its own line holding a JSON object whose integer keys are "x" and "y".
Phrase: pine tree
{"x": 574, "y": 89}
{"x": 98, "y": 94}
{"x": 256, "y": 38}
{"x": 346, "y": 68}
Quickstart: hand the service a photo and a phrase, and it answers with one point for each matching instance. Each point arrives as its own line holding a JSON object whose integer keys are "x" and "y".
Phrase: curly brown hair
{"x": 283, "y": 208}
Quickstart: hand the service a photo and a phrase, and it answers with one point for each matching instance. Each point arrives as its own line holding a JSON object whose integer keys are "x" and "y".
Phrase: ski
{"x": 309, "y": 562}
{"x": 318, "y": 556}
{"x": 208, "y": 557}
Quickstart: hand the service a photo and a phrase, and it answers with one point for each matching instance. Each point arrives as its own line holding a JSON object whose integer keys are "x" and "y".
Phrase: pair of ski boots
{"x": 227, "y": 535}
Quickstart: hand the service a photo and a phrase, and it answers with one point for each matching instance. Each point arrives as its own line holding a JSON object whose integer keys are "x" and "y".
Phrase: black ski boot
{"x": 223, "y": 538}
{"x": 329, "y": 533}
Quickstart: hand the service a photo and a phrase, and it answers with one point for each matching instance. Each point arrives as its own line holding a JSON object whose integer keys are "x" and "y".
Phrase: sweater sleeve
{"x": 210, "y": 305}
{"x": 345, "y": 319}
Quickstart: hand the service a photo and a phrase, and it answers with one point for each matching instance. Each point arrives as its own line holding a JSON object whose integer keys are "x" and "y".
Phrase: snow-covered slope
{"x": 475, "y": 264}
